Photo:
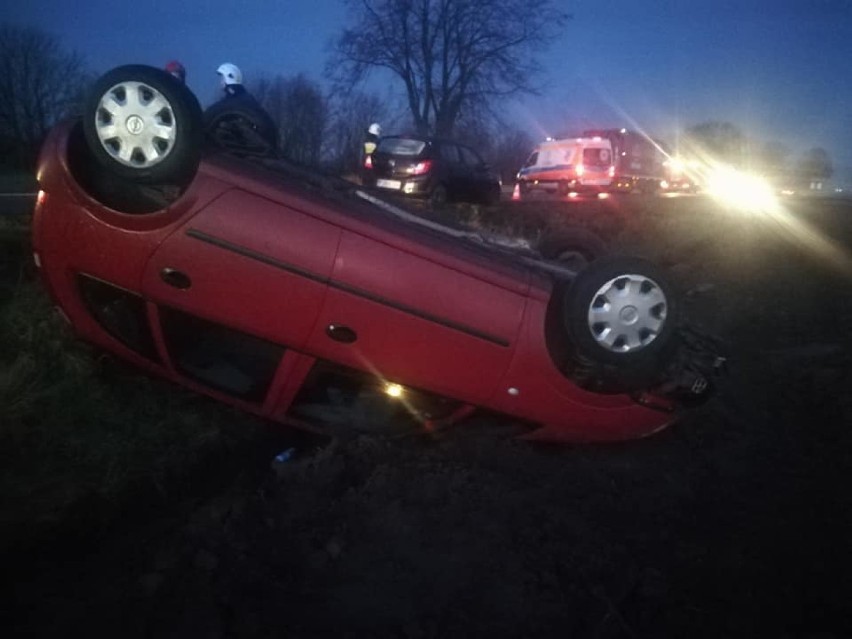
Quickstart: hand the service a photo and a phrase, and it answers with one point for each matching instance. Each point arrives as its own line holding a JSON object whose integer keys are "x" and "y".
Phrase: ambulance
{"x": 569, "y": 164}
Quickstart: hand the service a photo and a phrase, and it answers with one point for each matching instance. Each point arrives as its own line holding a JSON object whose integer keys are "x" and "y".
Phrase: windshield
{"x": 401, "y": 146}
{"x": 533, "y": 158}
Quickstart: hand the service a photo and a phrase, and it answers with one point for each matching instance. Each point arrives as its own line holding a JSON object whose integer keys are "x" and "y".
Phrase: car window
{"x": 450, "y": 153}
{"x": 597, "y": 157}
{"x": 470, "y": 157}
{"x": 532, "y": 160}
{"x": 401, "y": 146}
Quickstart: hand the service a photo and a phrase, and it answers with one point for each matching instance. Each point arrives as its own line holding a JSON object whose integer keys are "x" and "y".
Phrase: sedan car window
{"x": 401, "y": 146}
{"x": 470, "y": 157}
{"x": 450, "y": 153}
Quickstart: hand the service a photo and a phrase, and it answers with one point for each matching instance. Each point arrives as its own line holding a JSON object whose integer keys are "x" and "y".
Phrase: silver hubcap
{"x": 627, "y": 313}
{"x": 136, "y": 125}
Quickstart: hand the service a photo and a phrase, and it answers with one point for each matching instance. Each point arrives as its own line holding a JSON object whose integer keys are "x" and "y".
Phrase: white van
{"x": 569, "y": 164}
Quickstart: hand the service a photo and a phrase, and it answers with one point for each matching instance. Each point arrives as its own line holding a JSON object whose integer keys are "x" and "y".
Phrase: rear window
{"x": 597, "y": 157}
{"x": 401, "y": 146}
{"x": 470, "y": 157}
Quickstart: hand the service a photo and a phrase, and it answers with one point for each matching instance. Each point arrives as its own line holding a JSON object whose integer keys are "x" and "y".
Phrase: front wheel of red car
{"x": 144, "y": 125}
{"x": 621, "y": 318}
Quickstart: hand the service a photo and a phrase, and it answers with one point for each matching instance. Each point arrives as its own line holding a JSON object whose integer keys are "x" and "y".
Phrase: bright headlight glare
{"x": 741, "y": 190}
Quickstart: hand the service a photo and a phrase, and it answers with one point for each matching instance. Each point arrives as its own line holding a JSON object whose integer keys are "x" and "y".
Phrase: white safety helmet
{"x": 374, "y": 129}
{"x": 230, "y": 73}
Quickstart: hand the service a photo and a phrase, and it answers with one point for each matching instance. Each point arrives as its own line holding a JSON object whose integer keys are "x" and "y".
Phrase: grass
{"x": 17, "y": 181}
{"x": 80, "y": 433}
{"x": 82, "y": 436}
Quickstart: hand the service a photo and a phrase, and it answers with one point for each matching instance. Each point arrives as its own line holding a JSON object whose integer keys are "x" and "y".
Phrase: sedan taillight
{"x": 420, "y": 168}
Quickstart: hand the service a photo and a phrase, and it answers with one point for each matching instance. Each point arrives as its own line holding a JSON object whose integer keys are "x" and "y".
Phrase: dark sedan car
{"x": 438, "y": 169}
{"x": 256, "y": 281}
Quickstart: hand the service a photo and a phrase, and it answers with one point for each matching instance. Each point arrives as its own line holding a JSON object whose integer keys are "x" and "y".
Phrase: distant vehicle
{"x": 257, "y": 282}
{"x": 439, "y": 169}
{"x": 569, "y": 164}
{"x": 681, "y": 176}
{"x": 638, "y": 161}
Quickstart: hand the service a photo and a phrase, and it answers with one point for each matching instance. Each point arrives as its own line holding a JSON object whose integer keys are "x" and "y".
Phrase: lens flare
{"x": 740, "y": 190}
{"x": 394, "y": 390}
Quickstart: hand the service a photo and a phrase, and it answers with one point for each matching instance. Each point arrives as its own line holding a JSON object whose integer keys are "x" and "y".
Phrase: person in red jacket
{"x": 177, "y": 70}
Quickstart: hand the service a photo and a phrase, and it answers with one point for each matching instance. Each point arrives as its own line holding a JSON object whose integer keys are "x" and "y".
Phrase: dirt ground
{"x": 735, "y": 522}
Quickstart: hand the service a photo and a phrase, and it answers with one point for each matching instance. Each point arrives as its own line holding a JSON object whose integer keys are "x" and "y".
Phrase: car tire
{"x": 574, "y": 248}
{"x": 562, "y": 188}
{"x": 438, "y": 195}
{"x": 143, "y": 125}
{"x": 239, "y": 130}
{"x": 621, "y": 319}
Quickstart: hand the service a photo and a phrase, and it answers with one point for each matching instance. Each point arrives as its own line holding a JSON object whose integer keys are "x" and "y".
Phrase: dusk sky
{"x": 778, "y": 70}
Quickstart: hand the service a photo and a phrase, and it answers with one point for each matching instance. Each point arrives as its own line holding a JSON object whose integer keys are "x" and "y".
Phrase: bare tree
{"x": 450, "y": 55}
{"x": 299, "y": 110}
{"x": 40, "y": 83}
{"x": 512, "y": 149}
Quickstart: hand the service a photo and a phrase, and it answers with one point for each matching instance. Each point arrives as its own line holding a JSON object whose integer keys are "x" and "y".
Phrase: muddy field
{"x": 735, "y": 522}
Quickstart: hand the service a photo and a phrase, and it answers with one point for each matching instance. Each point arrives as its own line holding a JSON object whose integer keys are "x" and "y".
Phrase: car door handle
{"x": 340, "y": 333}
{"x": 175, "y": 278}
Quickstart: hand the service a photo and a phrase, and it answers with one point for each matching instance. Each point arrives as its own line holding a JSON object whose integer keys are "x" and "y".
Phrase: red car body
{"x": 313, "y": 278}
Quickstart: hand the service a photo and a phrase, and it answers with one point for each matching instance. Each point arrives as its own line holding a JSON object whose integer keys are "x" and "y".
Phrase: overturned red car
{"x": 257, "y": 282}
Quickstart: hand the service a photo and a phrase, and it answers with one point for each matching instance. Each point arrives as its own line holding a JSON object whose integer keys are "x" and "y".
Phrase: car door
{"x": 235, "y": 286}
{"x": 452, "y": 170}
{"x": 414, "y": 319}
{"x": 477, "y": 177}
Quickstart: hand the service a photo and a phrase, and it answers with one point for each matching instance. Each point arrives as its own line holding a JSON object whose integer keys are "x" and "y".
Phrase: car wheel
{"x": 573, "y": 248}
{"x": 241, "y": 131}
{"x": 144, "y": 125}
{"x": 620, "y": 316}
{"x": 562, "y": 188}
{"x": 438, "y": 196}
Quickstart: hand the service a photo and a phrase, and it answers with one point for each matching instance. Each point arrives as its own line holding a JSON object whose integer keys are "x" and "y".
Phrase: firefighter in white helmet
{"x": 371, "y": 141}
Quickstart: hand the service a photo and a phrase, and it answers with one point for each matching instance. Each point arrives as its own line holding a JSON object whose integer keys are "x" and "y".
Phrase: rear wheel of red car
{"x": 621, "y": 320}
{"x": 143, "y": 125}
